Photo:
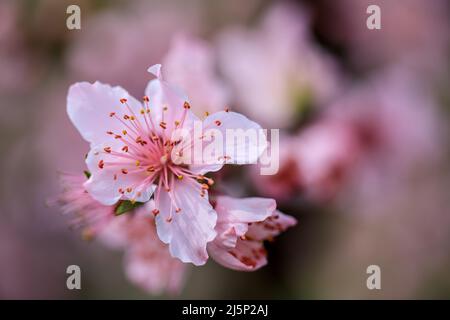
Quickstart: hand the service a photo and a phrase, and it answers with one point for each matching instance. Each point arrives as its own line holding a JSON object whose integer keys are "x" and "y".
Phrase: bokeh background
{"x": 364, "y": 151}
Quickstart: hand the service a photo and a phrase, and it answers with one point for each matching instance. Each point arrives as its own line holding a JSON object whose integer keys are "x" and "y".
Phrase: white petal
{"x": 89, "y": 107}
{"x": 192, "y": 228}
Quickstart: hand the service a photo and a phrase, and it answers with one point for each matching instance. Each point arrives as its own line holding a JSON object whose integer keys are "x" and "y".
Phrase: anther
{"x": 145, "y": 98}
{"x": 124, "y": 171}
{"x": 112, "y": 114}
{"x": 125, "y": 149}
{"x": 155, "y": 212}
{"x": 217, "y": 122}
{"x": 101, "y": 164}
{"x": 123, "y": 100}
{"x": 186, "y": 105}
{"x": 107, "y": 149}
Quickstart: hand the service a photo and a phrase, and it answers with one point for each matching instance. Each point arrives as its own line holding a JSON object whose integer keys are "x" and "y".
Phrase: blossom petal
{"x": 167, "y": 103}
{"x": 234, "y": 216}
{"x": 89, "y": 107}
{"x": 108, "y": 183}
{"x": 270, "y": 228}
{"x": 243, "y": 141}
{"x": 190, "y": 63}
{"x": 246, "y": 256}
{"x": 242, "y": 227}
{"x": 187, "y": 232}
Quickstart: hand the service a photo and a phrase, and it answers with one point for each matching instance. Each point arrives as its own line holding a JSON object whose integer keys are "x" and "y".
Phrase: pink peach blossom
{"x": 242, "y": 226}
{"x": 190, "y": 64}
{"x": 148, "y": 263}
{"x": 131, "y": 157}
{"x": 121, "y": 43}
{"x": 314, "y": 163}
{"x": 275, "y": 70}
{"x": 84, "y": 211}
{"x": 326, "y": 152}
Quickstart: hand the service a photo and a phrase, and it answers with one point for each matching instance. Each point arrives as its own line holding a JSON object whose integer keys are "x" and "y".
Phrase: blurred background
{"x": 363, "y": 118}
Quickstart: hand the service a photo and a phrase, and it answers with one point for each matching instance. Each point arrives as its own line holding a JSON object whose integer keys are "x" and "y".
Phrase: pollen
{"x": 124, "y": 132}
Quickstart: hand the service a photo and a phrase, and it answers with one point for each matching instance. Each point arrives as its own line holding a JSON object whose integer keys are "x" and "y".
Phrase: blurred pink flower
{"x": 131, "y": 157}
{"x": 397, "y": 122}
{"x": 287, "y": 183}
{"x": 276, "y": 71}
{"x": 326, "y": 153}
{"x": 118, "y": 45}
{"x": 190, "y": 64}
{"x": 242, "y": 227}
{"x": 84, "y": 211}
{"x": 314, "y": 163}
{"x": 395, "y": 118}
{"x": 148, "y": 263}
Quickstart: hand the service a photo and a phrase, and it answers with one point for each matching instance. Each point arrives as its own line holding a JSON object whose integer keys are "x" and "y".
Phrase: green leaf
{"x": 126, "y": 205}
{"x": 87, "y": 174}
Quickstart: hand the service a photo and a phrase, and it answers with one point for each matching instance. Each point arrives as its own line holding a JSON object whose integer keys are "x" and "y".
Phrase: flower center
{"x": 145, "y": 155}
